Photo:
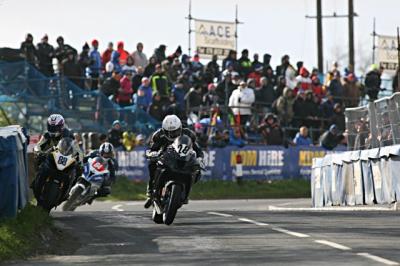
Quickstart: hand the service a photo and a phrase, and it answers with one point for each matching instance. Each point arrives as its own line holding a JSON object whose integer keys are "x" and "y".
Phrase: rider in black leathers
{"x": 163, "y": 137}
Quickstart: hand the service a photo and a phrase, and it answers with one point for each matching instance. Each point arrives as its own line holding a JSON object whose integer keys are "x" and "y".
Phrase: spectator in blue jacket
{"x": 179, "y": 93}
{"x": 144, "y": 96}
{"x": 235, "y": 138}
{"x": 95, "y": 67}
{"x": 115, "y": 61}
{"x": 302, "y": 138}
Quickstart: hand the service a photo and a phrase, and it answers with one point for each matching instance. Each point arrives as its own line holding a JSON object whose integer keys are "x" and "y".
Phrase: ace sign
{"x": 214, "y": 37}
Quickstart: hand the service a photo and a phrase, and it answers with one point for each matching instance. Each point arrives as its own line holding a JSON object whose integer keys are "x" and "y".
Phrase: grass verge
{"x": 21, "y": 236}
{"x": 125, "y": 189}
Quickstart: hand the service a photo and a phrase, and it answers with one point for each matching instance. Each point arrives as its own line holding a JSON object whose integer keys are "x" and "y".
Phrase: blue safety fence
{"x": 13, "y": 171}
{"x": 357, "y": 177}
{"x": 258, "y": 162}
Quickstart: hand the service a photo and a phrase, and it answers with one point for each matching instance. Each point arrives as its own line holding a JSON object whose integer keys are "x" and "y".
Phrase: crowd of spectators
{"x": 235, "y": 101}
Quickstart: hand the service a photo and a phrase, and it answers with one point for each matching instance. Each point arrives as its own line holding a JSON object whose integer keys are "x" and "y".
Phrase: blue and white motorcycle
{"x": 85, "y": 190}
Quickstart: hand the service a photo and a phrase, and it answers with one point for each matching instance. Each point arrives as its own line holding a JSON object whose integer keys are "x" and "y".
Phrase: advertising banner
{"x": 214, "y": 37}
{"x": 387, "y": 53}
{"x": 258, "y": 162}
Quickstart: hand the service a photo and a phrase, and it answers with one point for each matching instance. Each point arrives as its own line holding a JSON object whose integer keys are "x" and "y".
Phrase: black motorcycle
{"x": 177, "y": 170}
{"x": 56, "y": 175}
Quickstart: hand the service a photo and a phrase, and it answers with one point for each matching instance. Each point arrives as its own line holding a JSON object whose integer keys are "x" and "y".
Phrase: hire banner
{"x": 258, "y": 162}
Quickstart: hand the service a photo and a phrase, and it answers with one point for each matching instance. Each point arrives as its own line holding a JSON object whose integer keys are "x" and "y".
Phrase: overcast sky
{"x": 276, "y": 27}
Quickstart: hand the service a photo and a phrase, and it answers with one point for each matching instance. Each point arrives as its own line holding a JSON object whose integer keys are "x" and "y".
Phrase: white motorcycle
{"x": 85, "y": 190}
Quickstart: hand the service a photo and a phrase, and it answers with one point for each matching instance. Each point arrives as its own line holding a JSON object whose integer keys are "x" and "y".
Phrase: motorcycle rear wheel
{"x": 173, "y": 204}
{"x": 69, "y": 205}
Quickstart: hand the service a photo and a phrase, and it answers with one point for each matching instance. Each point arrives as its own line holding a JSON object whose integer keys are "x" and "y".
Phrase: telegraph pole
{"x": 374, "y": 34}
{"x": 320, "y": 46}
{"x": 319, "y": 18}
{"x": 351, "y": 34}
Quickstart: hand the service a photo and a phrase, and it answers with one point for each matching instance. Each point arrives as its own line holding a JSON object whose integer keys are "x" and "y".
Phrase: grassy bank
{"x": 20, "y": 237}
{"x": 124, "y": 189}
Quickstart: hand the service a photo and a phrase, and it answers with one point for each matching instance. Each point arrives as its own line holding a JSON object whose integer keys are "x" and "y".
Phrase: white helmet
{"x": 55, "y": 124}
{"x": 106, "y": 151}
{"x": 172, "y": 127}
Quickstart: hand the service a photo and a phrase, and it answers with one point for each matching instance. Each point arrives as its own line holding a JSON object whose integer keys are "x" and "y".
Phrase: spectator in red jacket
{"x": 304, "y": 79}
{"x": 256, "y": 75}
{"x": 317, "y": 88}
{"x": 106, "y": 55}
{"x": 124, "y": 94}
{"x": 123, "y": 54}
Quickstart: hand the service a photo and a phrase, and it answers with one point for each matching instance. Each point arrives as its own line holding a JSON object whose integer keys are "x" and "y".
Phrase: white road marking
{"x": 220, "y": 214}
{"x": 117, "y": 208}
{"x": 378, "y": 259}
{"x": 137, "y": 203}
{"x": 278, "y": 229}
{"x": 336, "y": 208}
{"x": 332, "y": 244}
{"x": 252, "y": 221}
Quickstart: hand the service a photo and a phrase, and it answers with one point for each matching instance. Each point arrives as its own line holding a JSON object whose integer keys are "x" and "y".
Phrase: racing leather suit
{"x": 112, "y": 167}
{"x": 159, "y": 142}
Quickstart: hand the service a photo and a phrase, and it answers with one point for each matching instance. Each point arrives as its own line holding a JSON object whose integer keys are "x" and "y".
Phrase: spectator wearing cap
{"x": 124, "y": 94}
{"x": 45, "y": 54}
{"x": 175, "y": 70}
{"x": 245, "y": 66}
{"x": 197, "y": 66}
{"x": 115, "y": 135}
{"x": 201, "y": 136}
{"x": 139, "y": 57}
{"x": 256, "y": 75}
{"x": 213, "y": 67}
{"x": 63, "y": 49}
{"x": 265, "y": 95}
{"x": 151, "y": 67}
{"x": 336, "y": 88}
{"x": 331, "y": 138}
{"x": 352, "y": 91}
{"x": 123, "y": 54}
{"x": 144, "y": 94}
{"x": 129, "y": 66}
{"x": 95, "y": 66}
{"x": 106, "y": 55}
{"x": 231, "y": 60}
{"x": 137, "y": 79}
{"x": 286, "y": 70}
{"x": 115, "y": 61}
{"x": 270, "y": 130}
{"x": 317, "y": 88}
{"x": 194, "y": 99}
{"x": 28, "y": 49}
{"x": 300, "y": 109}
{"x": 256, "y": 63}
{"x": 284, "y": 106}
{"x": 210, "y": 98}
{"x": 241, "y": 101}
{"x": 159, "y": 53}
{"x": 338, "y": 117}
{"x": 72, "y": 70}
{"x": 302, "y": 138}
{"x": 225, "y": 87}
{"x": 159, "y": 82}
{"x": 112, "y": 84}
{"x": 176, "y": 54}
{"x": 304, "y": 79}
{"x": 140, "y": 140}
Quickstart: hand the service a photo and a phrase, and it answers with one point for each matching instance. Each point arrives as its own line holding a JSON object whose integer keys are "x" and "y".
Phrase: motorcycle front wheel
{"x": 70, "y": 204}
{"x": 173, "y": 204}
{"x": 51, "y": 195}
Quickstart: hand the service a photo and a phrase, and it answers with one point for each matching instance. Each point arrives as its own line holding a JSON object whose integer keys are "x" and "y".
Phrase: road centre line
{"x": 378, "y": 259}
{"x": 220, "y": 214}
{"x": 332, "y": 244}
{"x": 322, "y": 242}
{"x": 252, "y": 221}
{"x": 335, "y": 208}
{"x": 281, "y": 230}
{"x": 117, "y": 208}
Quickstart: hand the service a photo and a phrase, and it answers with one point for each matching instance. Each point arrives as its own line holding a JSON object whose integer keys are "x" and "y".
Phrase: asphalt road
{"x": 229, "y": 232}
